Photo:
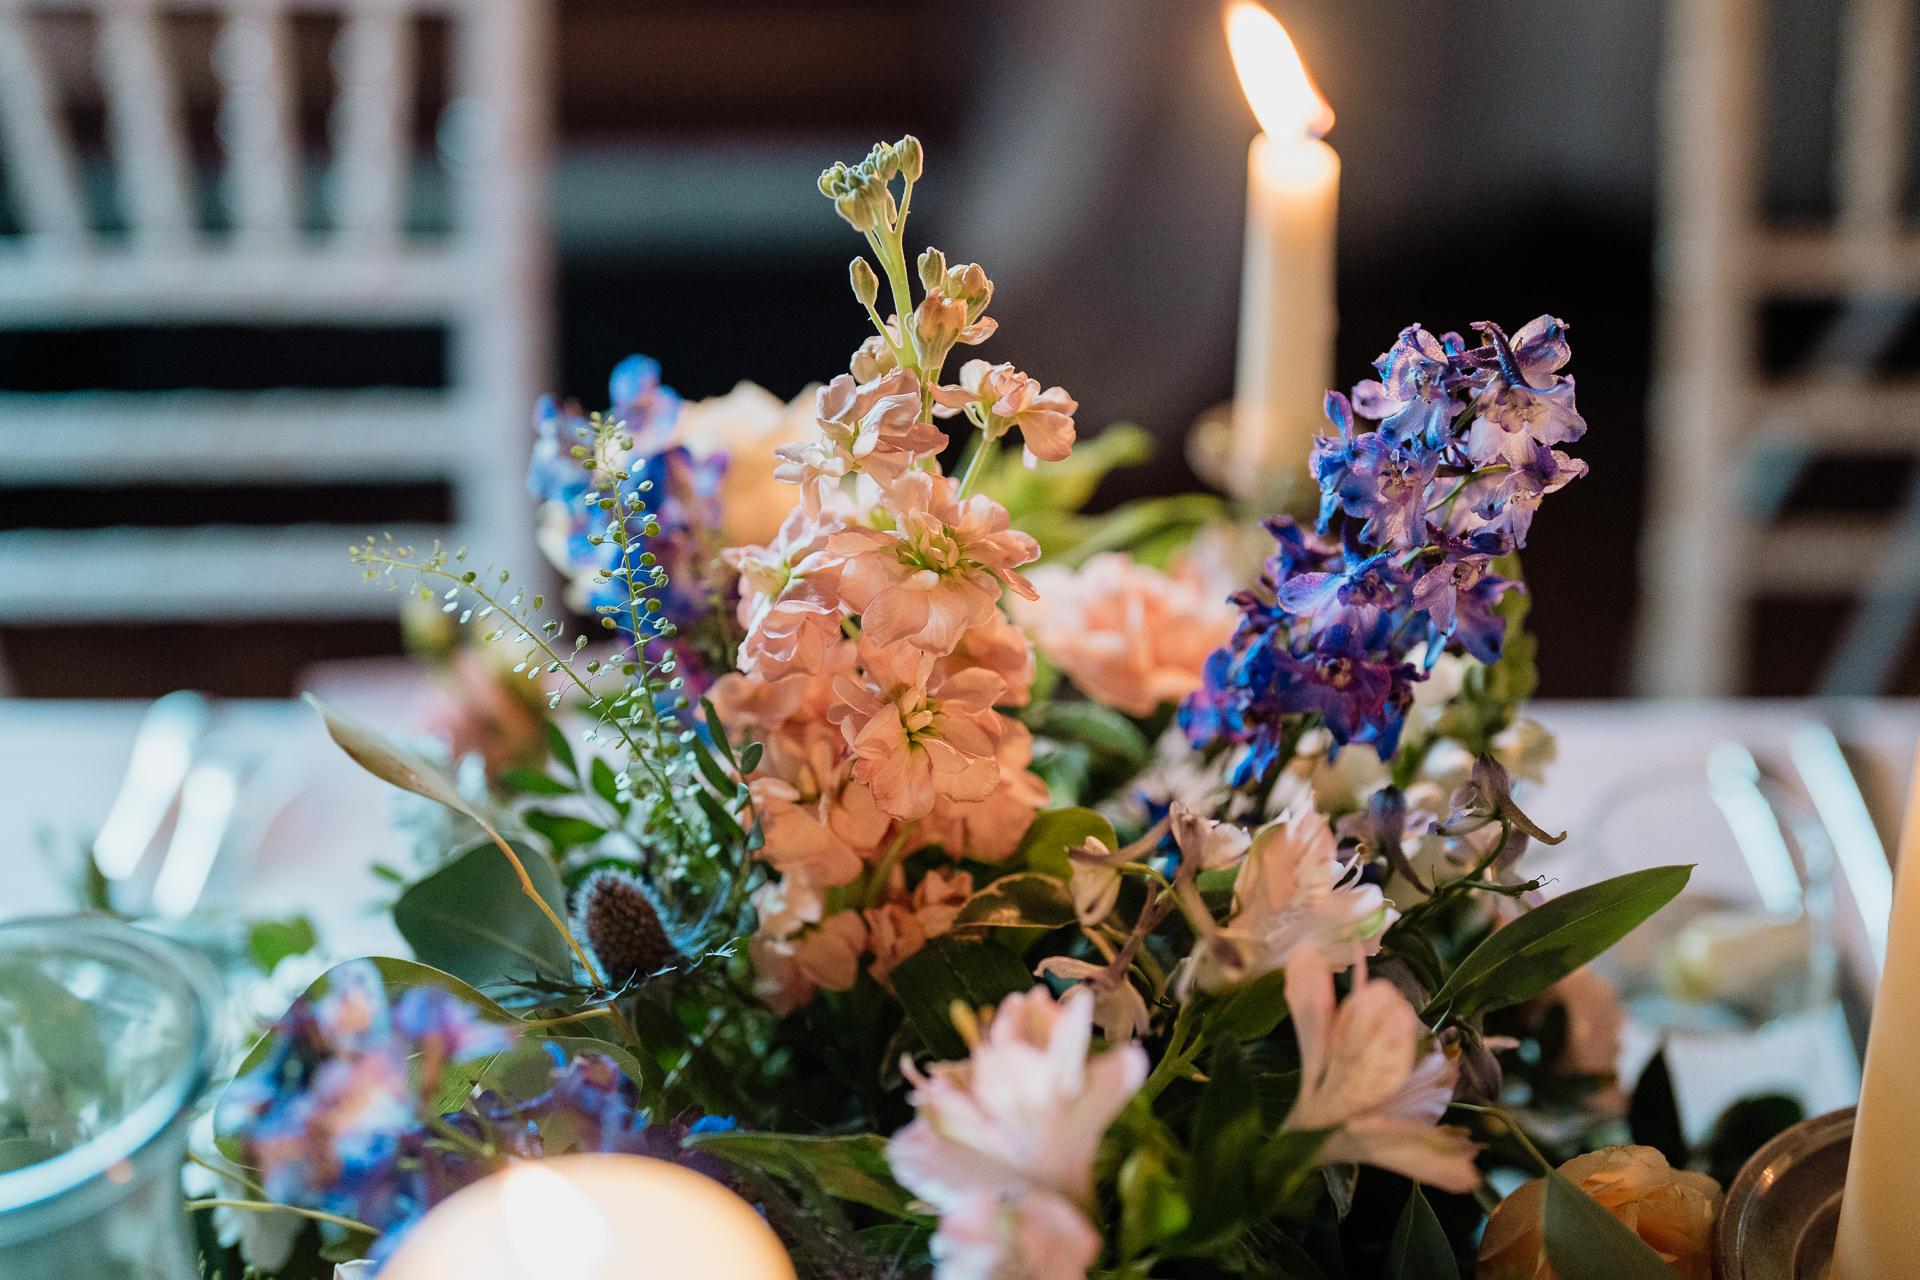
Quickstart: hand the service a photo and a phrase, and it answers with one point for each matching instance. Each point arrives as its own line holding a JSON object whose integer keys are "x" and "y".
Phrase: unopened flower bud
{"x": 933, "y": 269}
{"x": 938, "y": 321}
{"x": 866, "y": 285}
{"x": 873, "y": 360}
{"x": 908, "y": 155}
{"x": 969, "y": 283}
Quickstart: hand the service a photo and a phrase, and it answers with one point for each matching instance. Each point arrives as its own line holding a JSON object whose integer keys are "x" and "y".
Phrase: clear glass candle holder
{"x": 108, "y": 1037}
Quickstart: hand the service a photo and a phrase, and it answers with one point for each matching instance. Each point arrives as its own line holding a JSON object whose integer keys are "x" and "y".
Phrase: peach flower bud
{"x": 1673, "y": 1210}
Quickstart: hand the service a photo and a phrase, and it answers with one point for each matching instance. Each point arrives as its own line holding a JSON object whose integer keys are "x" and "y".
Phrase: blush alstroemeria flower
{"x": 1004, "y": 1142}
{"x": 1119, "y": 1010}
{"x": 871, "y": 427}
{"x": 998, "y": 397}
{"x": 938, "y": 572}
{"x": 1293, "y": 891}
{"x": 1362, "y": 1072}
{"x": 790, "y": 595}
{"x": 917, "y": 736}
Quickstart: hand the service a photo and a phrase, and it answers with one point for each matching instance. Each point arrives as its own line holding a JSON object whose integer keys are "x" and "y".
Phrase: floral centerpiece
{"x": 985, "y": 889}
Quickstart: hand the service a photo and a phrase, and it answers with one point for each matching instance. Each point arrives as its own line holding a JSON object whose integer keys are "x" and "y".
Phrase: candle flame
{"x": 1278, "y": 88}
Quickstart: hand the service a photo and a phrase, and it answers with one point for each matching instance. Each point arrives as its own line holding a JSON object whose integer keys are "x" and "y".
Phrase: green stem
{"x": 263, "y": 1206}
{"x": 975, "y": 464}
{"x": 876, "y": 894}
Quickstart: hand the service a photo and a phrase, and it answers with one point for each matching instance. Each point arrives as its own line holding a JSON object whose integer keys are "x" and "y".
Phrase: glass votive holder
{"x": 108, "y": 1036}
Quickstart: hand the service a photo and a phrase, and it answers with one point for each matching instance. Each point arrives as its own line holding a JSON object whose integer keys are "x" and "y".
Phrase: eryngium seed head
{"x": 623, "y": 927}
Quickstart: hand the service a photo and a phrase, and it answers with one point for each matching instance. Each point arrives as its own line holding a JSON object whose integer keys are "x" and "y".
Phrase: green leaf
{"x": 718, "y": 730}
{"x": 1585, "y": 1242}
{"x": 1143, "y": 520}
{"x": 716, "y": 776}
{"x": 1054, "y": 831}
{"x": 1027, "y": 900}
{"x": 974, "y": 972}
{"x": 1654, "y": 1114}
{"x": 1419, "y": 1249}
{"x": 563, "y": 831}
{"x": 471, "y": 919}
{"x": 562, "y": 750}
{"x": 533, "y": 782}
{"x": 1248, "y": 1010}
{"x": 1152, "y": 1208}
{"x": 1523, "y": 959}
{"x": 272, "y": 941}
{"x": 852, "y": 1167}
{"x": 1227, "y": 1140}
{"x": 725, "y": 827}
{"x": 750, "y": 758}
{"x": 900, "y": 1248}
{"x": 1099, "y": 727}
{"x": 58, "y": 1026}
{"x": 392, "y": 763}
{"x": 607, "y": 786}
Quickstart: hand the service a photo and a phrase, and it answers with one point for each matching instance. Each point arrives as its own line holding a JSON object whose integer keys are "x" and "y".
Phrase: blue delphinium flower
{"x": 1412, "y": 517}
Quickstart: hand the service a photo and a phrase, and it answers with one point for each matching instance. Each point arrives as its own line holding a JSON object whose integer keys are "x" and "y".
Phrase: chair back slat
{"x": 373, "y": 58}
{"x": 252, "y": 59}
{"x": 33, "y": 141}
{"x": 143, "y": 121}
{"x": 1873, "y": 113}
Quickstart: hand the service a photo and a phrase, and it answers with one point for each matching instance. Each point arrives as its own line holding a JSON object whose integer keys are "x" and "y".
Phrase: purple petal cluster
{"x": 332, "y": 1122}
{"x": 1413, "y": 514}
{"x": 680, "y": 494}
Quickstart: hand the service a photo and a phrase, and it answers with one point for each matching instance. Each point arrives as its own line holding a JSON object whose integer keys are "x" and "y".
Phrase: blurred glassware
{"x": 108, "y": 1036}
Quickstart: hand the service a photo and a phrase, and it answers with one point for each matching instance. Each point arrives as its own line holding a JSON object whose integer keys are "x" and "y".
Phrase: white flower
{"x": 1120, "y": 1011}
{"x": 1004, "y": 1142}
{"x": 1361, "y": 1071}
{"x": 1292, "y": 891}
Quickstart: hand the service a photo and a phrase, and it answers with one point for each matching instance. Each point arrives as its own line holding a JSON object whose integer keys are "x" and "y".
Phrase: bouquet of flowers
{"x": 980, "y": 920}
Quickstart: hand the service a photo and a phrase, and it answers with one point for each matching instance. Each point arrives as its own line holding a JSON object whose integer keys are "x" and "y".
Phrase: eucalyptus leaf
{"x": 471, "y": 919}
{"x": 975, "y": 972}
{"x": 393, "y": 763}
{"x": 1027, "y": 900}
{"x": 1585, "y": 1242}
{"x": 853, "y": 1167}
{"x": 1054, "y": 831}
{"x": 1419, "y": 1249}
{"x": 1526, "y": 957}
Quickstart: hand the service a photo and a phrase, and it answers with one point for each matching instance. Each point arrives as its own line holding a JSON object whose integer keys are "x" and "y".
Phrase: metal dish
{"x": 1783, "y": 1208}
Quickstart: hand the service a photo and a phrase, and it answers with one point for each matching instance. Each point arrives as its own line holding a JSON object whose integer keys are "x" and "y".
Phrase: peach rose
{"x": 1126, "y": 634}
{"x": 748, "y": 424}
{"x": 1673, "y": 1210}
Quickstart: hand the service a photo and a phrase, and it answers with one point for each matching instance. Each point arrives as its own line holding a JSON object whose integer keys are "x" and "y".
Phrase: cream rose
{"x": 748, "y": 424}
{"x": 1672, "y": 1210}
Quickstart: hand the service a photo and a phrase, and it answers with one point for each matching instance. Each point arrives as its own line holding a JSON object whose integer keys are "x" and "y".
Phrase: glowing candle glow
{"x": 1287, "y": 314}
{"x": 592, "y": 1217}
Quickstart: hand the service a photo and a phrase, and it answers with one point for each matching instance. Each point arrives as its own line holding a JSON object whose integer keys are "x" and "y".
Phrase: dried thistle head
{"x": 620, "y": 922}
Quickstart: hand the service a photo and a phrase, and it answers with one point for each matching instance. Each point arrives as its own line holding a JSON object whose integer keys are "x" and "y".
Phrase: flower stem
{"x": 876, "y": 894}
{"x": 266, "y": 1206}
{"x": 975, "y": 464}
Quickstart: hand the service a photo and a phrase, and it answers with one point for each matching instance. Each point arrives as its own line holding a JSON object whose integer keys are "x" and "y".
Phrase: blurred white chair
{"x": 1710, "y": 549}
{"x": 487, "y": 283}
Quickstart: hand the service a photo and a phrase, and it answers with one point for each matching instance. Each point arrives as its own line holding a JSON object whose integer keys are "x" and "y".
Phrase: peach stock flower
{"x": 790, "y": 595}
{"x": 1004, "y": 1142}
{"x": 798, "y": 948}
{"x": 898, "y": 929}
{"x": 938, "y": 572}
{"x": 1673, "y": 1210}
{"x": 1001, "y": 647}
{"x": 871, "y": 427}
{"x": 1362, "y": 1072}
{"x": 916, "y": 736}
{"x": 1126, "y": 634}
{"x": 748, "y": 424}
{"x": 991, "y": 829}
{"x": 998, "y": 396}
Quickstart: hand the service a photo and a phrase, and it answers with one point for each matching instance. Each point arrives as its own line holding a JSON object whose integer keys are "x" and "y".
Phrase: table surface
{"x": 1628, "y": 786}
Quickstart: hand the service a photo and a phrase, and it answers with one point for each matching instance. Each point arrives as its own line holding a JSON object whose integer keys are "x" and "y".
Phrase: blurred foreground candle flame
{"x": 554, "y": 1228}
{"x": 1278, "y": 88}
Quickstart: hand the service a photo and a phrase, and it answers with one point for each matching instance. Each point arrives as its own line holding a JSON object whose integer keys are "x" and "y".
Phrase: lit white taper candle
{"x": 1876, "y": 1239}
{"x": 1287, "y": 314}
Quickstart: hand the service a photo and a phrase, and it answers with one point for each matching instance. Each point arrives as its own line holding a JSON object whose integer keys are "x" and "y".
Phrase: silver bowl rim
{"x": 1760, "y": 1171}
{"x": 191, "y": 979}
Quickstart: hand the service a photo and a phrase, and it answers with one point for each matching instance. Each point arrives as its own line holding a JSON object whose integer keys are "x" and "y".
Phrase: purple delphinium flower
{"x": 1421, "y": 508}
